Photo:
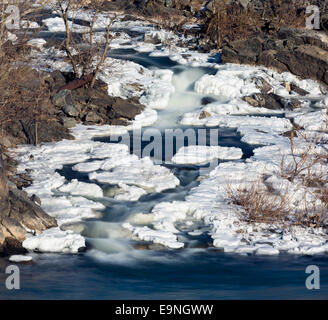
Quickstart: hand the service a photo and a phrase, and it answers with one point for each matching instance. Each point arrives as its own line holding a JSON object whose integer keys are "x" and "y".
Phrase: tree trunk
{"x": 78, "y": 83}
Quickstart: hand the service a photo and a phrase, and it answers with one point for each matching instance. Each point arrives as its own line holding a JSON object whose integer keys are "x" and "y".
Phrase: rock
{"x": 307, "y": 62}
{"x": 70, "y": 111}
{"x": 92, "y": 118}
{"x": 204, "y": 115}
{"x": 263, "y": 85}
{"x": 273, "y": 102}
{"x": 268, "y": 58}
{"x": 152, "y": 38}
{"x": 21, "y": 181}
{"x": 256, "y": 100}
{"x": 95, "y": 106}
{"x": 68, "y": 123}
{"x": 2, "y": 239}
{"x": 301, "y": 52}
{"x": 127, "y": 109}
{"x": 298, "y": 90}
{"x": 5, "y": 142}
{"x": 248, "y": 50}
{"x": 36, "y": 199}
{"x": 324, "y": 22}
{"x": 269, "y": 101}
{"x": 11, "y": 247}
{"x": 293, "y": 104}
{"x": 59, "y": 99}
{"x": 288, "y": 87}
{"x": 101, "y": 86}
{"x": 57, "y": 80}
{"x": 14, "y": 228}
{"x": 26, "y": 212}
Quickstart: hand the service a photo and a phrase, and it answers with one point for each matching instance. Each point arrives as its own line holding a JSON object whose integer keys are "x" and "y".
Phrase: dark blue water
{"x": 207, "y": 275}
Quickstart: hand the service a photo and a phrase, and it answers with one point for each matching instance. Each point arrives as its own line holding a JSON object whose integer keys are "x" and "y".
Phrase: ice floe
{"x": 20, "y": 258}
{"x": 55, "y": 241}
{"x": 129, "y": 193}
{"x": 141, "y": 173}
{"x": 77, "y": 188}
{"x": 203, "y": 154}
{"x": 156, "y": 236}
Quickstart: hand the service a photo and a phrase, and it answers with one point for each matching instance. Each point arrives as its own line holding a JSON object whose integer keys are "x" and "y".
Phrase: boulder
{"x": 68, "y": 123}
{"x": 307, "y": 62}
{"x": 92, "y": 118}
{"x": 29, "y": 213}
{"x": 298, "y": 90}
{"x": 59, "y": 99}
{"x": 269, "y": 101}
{"x": 204, "y": 115}
{"x": 120, "y": 108}
{"x": 71, "y": 111}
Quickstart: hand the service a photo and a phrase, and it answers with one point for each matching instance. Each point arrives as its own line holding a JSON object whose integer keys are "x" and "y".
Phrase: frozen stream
{"x": 116, "y": 266}
{"x": 160, "y": 228}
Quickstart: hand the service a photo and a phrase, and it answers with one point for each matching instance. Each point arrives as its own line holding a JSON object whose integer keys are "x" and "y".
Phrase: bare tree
{"x": 83, "y": 57}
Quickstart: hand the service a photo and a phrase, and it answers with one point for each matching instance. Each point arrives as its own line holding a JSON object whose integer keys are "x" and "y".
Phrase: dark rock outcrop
{"x": 18, "y": 212}
{"x": 95, "y": 106}
{"x": 301, "y": 52}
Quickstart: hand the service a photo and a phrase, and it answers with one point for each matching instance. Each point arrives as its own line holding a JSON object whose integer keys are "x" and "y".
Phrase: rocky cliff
{"x": 18, "y": 212}
{"x": 299, "y": 51}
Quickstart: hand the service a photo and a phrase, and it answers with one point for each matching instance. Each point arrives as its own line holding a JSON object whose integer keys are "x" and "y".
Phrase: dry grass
{"x": 258, "y": 204}
{"x": 232, "y": 22}
{"x": 284, "y": 13}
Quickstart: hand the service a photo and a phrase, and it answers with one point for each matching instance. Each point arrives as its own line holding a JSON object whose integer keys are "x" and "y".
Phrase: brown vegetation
{"x": 82, "y": 56}
{"x": 18, "y": 102}
{"x": 232, "y": 21}
{"x": 258, "y": 202}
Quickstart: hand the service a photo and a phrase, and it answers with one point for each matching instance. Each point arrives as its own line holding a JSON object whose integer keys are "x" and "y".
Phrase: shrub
{"x": 257, "y": 205}
{"x": 86, "y": 59}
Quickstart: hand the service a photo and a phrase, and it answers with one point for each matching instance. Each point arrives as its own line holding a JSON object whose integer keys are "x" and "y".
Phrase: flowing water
{"x": 116, "y": 268}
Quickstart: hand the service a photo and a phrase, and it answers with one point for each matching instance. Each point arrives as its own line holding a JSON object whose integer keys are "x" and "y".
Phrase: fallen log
{"x": 78, "y": 83}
